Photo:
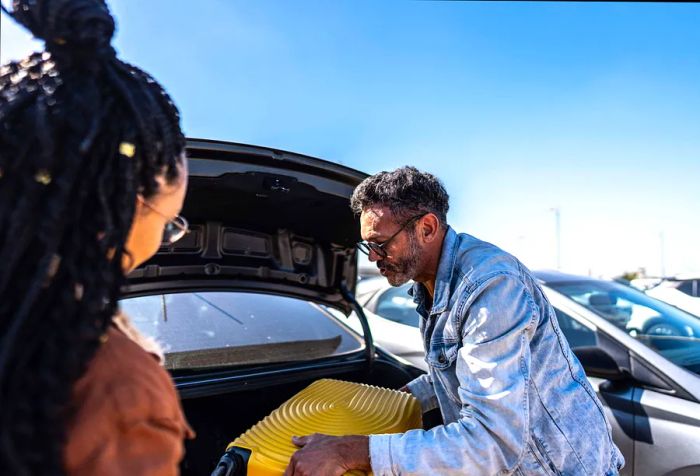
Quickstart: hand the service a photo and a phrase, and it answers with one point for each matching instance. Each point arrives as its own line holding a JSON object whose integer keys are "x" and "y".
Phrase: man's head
{"x": 403, "y": 218}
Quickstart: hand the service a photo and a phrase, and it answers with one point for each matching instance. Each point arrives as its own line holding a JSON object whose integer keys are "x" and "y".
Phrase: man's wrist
{"x": 357, "y": 454}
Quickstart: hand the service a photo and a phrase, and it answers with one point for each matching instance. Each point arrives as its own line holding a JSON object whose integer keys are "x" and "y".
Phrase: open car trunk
{"x": 245, "y": 302}
{"x": 218, "y": 419}
{"x": 263, "y": 220}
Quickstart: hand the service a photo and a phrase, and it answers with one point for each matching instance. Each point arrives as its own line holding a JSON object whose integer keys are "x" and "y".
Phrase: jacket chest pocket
{"x": 442, "y": 359}
{"x": 442, "y": 355}
{"x": 442, "y": 343}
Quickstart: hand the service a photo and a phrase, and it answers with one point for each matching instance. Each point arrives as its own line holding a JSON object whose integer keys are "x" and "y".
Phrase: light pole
{"x": 557, "y": 225}
{"x": 662, "y": 255}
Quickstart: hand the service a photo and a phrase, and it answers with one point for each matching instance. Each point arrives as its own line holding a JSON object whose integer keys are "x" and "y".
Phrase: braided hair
{"x": 81, "y": 134}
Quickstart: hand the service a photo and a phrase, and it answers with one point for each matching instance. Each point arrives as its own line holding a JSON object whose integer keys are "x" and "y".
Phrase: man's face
{"x": 403, "y": 252}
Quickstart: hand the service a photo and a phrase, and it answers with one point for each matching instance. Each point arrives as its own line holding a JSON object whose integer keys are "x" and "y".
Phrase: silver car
{"x": 641, "y": 355}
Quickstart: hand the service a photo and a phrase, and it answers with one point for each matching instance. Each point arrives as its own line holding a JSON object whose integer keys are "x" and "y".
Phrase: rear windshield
{"x": 219, "y": 329}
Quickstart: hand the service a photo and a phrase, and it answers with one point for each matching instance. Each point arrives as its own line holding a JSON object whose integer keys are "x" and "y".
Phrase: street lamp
{"x": 557, "y": 225}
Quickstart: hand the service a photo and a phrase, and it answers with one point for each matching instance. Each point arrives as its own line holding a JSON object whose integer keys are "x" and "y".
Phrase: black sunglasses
{"x": 368, "y": 246}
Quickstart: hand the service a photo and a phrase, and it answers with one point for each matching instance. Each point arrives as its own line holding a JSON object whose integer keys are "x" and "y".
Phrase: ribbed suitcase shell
{"x": 332, "y": 407}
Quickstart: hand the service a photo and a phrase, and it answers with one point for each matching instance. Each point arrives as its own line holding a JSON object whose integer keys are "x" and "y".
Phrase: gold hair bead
{"x": 59, "y": 41}
{"x": 79, "y": 290}
{"x": 1, "y": 172}
{"x": 43, "y": 177}
{"x": 127, "y": 149}
{"x": 53, "y": 266}
{"x": 51, "y": 270}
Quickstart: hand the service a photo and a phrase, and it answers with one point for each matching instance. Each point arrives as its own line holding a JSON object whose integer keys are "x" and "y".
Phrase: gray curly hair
{"x": 406, "y": 191}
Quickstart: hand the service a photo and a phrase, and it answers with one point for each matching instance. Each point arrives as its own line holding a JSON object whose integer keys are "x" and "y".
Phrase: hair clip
{"x": 78, "y": 291}
{"x": 127, "y": 149}
{"x": 52, "y": 269}
{"x": 43, "y": 177}
{"x": 54, "y": 264}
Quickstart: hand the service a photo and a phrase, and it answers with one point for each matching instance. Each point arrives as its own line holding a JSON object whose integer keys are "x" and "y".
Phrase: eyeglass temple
{"x": 181, "y": 223}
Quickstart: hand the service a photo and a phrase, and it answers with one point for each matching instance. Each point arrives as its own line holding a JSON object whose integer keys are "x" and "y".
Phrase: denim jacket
{"x": 513, "y": 397}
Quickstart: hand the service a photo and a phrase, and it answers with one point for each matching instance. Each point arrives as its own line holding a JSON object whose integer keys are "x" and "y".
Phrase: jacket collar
{"x": 443, "y": 278}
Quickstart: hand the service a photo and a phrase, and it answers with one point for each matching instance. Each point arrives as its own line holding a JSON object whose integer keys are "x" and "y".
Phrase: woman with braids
{"x": 92, "y": 177}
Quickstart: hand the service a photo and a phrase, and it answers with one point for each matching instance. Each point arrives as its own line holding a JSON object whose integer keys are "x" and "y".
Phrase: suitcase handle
{"x": 233, "y": 463}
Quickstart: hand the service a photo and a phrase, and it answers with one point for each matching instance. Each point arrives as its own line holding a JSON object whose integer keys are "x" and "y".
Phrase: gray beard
{"x": 406, "y": 268}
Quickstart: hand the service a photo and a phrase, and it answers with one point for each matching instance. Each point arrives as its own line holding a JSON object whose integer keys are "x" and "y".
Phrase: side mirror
{"x": 598, "y": 363}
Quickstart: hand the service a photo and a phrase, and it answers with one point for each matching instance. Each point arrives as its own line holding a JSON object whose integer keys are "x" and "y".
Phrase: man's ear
{"x": 428, "y": 228}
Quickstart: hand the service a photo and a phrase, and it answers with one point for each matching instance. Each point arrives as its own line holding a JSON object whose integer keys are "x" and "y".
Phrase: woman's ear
{"x": 140, "y": 205}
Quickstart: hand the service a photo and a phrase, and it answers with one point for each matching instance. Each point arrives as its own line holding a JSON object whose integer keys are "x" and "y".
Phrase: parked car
{"x": 680, "y": 291}
{"x": 392, "y": 316}
{"x": 242, "y": 303}
{"x": 641, "y": 355}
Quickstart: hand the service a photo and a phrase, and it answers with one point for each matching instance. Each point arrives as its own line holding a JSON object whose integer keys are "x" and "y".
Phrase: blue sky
{"x": 518, "y": 107}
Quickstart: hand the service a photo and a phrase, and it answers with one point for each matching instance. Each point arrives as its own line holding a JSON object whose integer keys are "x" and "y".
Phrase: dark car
{"x": 243, "y": 303}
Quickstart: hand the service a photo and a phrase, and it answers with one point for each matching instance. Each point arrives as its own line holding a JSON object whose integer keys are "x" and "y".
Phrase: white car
{"x": 681, "y": 291}
{"x": 392, "y": 317}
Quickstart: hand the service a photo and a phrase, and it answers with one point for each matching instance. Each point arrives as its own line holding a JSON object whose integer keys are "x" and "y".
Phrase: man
{"x": 513, "y": 397}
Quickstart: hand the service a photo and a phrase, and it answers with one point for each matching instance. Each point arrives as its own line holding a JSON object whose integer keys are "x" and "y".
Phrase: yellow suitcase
{"x": 331, "y": 407}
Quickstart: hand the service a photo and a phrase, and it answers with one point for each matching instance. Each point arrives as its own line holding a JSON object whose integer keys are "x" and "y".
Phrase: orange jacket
{"x": 128, "y": 419}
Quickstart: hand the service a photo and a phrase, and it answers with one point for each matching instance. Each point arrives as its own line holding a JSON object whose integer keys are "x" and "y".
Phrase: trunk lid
{"x": 261, "y": 220}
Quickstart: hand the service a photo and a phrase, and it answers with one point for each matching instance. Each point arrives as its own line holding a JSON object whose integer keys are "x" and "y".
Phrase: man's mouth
{"x": 384, "y": 268}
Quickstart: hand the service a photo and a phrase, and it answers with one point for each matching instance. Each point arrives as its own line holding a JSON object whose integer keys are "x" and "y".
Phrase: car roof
{"x": 684, "y": 277}
{"x": 550, "y": 276}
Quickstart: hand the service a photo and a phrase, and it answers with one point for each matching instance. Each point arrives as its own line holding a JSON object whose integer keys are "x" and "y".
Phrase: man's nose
{"x": 374, "y": 256}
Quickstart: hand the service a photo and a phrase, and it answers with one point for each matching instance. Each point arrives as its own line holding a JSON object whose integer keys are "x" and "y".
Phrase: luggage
{"x": 331, "y": 407}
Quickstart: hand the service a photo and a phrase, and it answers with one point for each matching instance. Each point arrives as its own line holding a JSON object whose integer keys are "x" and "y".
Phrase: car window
{"x": 664, "y": 328}
{"x": 687, "y": 287}
{"x": 217, "y": 329}
{"x": 397, "y": 305}
{"x": 576, "y": 333}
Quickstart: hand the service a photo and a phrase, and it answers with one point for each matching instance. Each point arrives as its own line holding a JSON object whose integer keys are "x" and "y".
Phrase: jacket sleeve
{"x": 422, "y": 389}
{"x": 493, "y": 369}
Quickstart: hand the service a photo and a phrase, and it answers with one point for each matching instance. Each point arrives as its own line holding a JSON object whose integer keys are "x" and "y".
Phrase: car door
{"x": 617, "y": 398}
{"x": 654, "y": 423}
{"x": 667, "y": 434}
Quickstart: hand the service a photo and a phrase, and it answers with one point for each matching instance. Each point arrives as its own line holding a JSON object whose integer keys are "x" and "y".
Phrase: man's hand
{"x": 405, "y": 389}
{"x": 323, "y": 455}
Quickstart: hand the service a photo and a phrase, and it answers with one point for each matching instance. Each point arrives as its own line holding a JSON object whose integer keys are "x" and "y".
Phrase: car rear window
{"x": 220, "y": 329}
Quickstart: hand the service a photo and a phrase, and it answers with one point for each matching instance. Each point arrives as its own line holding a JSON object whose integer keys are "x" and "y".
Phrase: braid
{"x": 67, "y": 201}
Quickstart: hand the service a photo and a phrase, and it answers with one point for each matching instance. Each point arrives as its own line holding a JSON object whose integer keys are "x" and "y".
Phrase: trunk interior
{"x": 219, "y": 419}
